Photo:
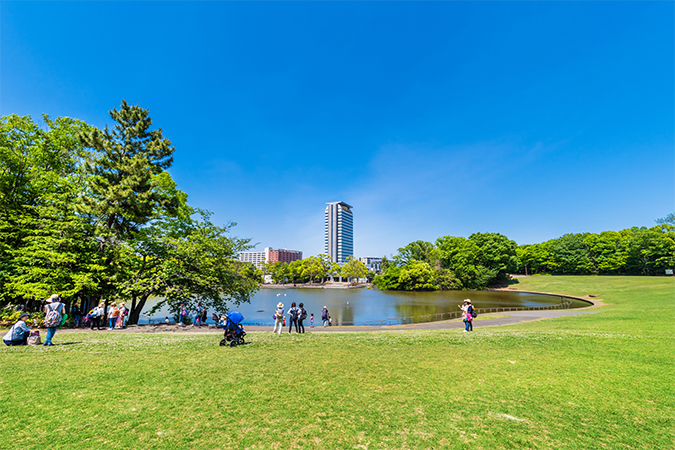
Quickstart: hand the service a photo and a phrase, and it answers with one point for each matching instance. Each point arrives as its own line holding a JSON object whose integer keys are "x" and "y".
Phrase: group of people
{"x": 117, "y": 316}
{"x": 197, "y": 320}
{"x": 19, "y": 333}
{"x": 296, "y": 315}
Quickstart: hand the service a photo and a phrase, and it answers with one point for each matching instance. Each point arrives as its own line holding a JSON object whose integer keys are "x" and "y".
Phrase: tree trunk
{"x": 136, "y": 309}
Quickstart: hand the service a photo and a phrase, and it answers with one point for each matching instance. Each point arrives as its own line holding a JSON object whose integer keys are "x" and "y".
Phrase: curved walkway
{"x": 506, "y": 318}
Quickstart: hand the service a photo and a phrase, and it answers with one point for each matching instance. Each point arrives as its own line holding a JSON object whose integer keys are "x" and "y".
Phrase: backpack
{"x": 303, "y": 314}
{"x": 294, "y": 313}
{"x": 324, "y": 314}
{"x": 52, "y": 318}
{"x": 473, "y": 312}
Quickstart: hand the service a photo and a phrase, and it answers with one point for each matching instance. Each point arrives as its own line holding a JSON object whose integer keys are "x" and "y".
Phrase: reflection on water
{"x": 356, "y": 306}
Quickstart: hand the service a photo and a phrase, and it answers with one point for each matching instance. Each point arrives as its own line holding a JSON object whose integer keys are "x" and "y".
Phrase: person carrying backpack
{"x": 53, "y": 315}
{"x": 278, "y": 318}
{"x": 95, "y": 317}
{"x": 468, "y": 314}
{"x": 293, "y": 315}
{"x": 302, "y": 315}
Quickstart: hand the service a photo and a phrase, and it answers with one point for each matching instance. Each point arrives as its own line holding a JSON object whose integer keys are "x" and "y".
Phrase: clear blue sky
{"x": 530, "y": 119}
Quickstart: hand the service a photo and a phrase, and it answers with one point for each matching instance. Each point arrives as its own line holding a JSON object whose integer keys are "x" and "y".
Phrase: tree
{"x": 415, "y": 251}
{"x": 668, "y": 220}
{"x": 196, "y": 263}
{"x": 354, "y": 269}
{"x": 417, "y": 276}
{"x": 44, "y": 245}
{"x": 125, "y": 184}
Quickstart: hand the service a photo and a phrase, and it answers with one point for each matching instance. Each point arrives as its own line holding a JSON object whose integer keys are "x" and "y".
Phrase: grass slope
{"x": 593, "y": 381}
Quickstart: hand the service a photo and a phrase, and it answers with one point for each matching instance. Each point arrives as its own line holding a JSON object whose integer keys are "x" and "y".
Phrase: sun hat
{"x": 468, "y": 300}
{"x": 113, "y": 304}
{"x": 280, "y": 305}
{"x": 23, "y": 314}
{"x": 52, "y": 298}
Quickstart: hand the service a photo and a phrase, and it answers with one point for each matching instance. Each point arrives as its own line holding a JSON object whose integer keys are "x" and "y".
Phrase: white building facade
{"x": 339, "y": 232}
{"x": 374, "y": 264}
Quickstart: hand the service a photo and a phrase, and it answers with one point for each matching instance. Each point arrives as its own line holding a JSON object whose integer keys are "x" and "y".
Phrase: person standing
{"x": 302, "y": 315}
{"x": 278, "y": 318}
{"x": 100, "y": 315}
{"x": 113, "y": 313}
{"x": 467, "y": 317}
{"x": 18, "y": 334}
{"x": 324, "y": 316}
{"x": 182, "y": 314}
{"x": 124, "y": 315}
{"x": 311, "y": 320}
{"x": 198, "y": 316}
{"x": 204, "y": 313}
{"x": 54, "y": 310}
{"x": 293, "y": 316}
{"x": 77, "y": 315}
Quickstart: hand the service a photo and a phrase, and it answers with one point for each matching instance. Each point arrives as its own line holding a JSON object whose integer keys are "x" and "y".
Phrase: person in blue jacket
{"x": 18, "y": 334}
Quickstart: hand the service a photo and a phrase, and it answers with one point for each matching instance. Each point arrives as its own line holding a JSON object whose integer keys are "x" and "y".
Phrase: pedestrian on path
{"x": 182, "y": 314}
{"x": 113, "y": 314}
{"x": 293, "y": 316}
{"x": 324, "y": 316}
{"x": 311, "y": 320}
{"x": 198, "y": 316}
{"x": 302, "y": 315}
{"x": 278, "y": 318}
{"x": 467, "y": 315}
{"x": 95, "y": 316}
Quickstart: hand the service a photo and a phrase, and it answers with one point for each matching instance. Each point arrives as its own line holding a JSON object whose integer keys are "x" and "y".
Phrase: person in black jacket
{"x": 302, "y": 315}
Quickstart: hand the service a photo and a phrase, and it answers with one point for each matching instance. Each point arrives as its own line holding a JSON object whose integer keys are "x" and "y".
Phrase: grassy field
{"x": 600, "y": 380}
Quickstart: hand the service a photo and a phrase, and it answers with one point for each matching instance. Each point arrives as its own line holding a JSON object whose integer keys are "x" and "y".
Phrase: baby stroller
{"x": 234, "y": 332}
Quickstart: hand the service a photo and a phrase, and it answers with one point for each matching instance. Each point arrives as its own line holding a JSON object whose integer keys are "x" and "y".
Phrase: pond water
{"x": 372, "y": 306}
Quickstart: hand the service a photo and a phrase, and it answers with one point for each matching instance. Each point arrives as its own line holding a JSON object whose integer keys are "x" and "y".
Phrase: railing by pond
{"x": 564, "y": 304}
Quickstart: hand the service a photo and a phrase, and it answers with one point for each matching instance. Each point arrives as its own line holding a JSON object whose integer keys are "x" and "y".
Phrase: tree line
{"x": 315, "y": 269}
{"x": 485, "y": 259}
{"x": 94, "y": 215}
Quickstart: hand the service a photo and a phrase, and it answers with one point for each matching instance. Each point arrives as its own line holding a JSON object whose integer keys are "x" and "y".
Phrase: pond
{"x": 374, "y": 307}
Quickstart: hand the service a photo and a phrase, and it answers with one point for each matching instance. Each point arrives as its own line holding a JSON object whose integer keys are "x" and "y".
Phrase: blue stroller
{"x": 234, "y": 332}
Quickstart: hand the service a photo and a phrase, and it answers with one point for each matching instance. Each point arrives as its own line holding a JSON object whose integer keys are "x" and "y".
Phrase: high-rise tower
{"x": 339, "y": 231}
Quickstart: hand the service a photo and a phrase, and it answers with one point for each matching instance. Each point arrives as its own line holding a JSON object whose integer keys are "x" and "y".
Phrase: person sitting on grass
{"x": 18, "y": 334}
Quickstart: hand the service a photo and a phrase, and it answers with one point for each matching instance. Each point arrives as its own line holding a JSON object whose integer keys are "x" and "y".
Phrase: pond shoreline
{"x": 504, "y": 318}
{"x": 333, "y": 285}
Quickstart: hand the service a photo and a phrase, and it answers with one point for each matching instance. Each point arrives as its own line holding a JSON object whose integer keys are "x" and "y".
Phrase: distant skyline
{"x": 530, "y": 119}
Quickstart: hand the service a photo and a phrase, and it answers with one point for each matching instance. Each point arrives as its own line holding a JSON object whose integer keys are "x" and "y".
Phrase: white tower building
{"x": 339, "y": 226}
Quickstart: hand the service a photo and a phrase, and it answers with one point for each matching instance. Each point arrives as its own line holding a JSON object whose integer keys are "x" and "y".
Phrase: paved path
{"x": 511, "y": 318}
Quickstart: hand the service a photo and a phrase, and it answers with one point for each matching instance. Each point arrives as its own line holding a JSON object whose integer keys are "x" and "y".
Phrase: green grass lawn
{"x": 600, "y": 380}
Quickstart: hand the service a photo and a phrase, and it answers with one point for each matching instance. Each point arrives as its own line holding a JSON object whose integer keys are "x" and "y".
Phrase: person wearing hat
{"x": 18, "y": 334}
{"x": 53, "y": 304}
{"x": 467, "y": 317}
{"x": 113, "y": 313}
{"x": 278, "y": 318}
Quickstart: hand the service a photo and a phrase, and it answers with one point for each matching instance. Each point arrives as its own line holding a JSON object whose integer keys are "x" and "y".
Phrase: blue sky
{"x": 530, "y": 119}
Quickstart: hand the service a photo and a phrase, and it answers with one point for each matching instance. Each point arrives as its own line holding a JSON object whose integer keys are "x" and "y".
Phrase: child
{"x": 311, "y": 320}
